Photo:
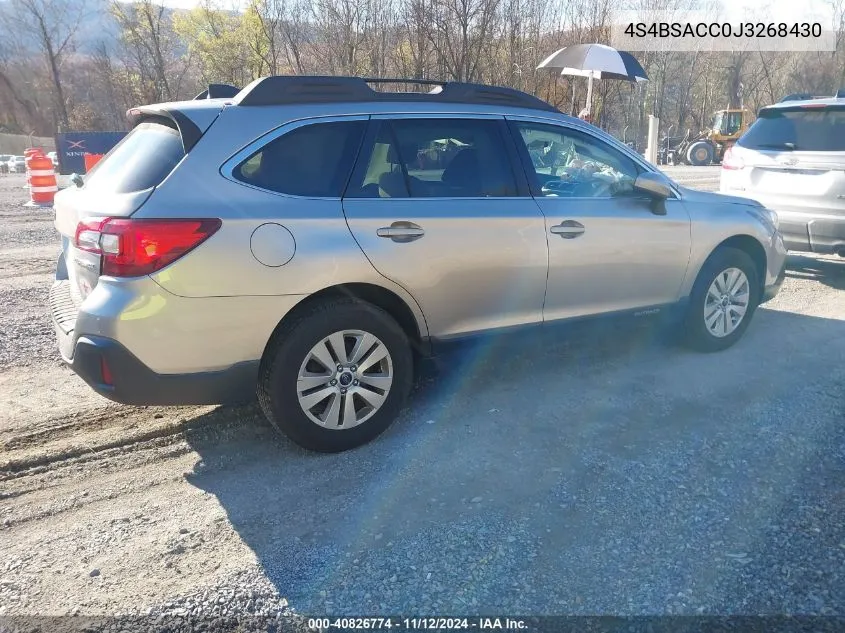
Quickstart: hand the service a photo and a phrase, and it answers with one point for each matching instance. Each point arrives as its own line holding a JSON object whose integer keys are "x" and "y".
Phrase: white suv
{"x": 792, "y": 160}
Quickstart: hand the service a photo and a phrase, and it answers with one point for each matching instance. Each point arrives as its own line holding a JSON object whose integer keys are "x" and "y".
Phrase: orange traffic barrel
{"x": 91, "y": 160}
{"x": 27, "y": 155}
{"x": 42, "y": 181}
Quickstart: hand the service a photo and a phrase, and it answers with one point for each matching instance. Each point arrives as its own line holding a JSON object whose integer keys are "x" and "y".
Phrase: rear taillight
{"x": 131, "y": 248}
{"x": 732, "y": 161}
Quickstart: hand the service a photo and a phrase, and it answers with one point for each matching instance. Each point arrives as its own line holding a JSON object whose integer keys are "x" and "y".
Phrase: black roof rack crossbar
{"x": 286, "y": 90}
{"x": 217, "y": 91}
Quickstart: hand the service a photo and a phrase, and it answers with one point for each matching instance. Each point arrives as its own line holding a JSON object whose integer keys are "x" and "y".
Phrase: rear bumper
{"x": 132, "y": 382}
{"x": 161, "y": 349}
{"x": 817, "y": 235}
{"x": 815, "y": 229}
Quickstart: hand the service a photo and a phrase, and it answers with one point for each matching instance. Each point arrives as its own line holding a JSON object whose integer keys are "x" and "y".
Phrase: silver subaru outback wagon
{"x": 307, "y": 237}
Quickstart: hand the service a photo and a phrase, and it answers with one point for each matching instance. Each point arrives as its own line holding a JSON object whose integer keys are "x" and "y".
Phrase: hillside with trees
{"x": 80, "y": 64}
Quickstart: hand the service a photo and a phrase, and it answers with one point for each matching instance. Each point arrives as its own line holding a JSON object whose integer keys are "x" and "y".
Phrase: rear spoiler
{"x": 191, "y": 128}
{"x": 188, "y": 130}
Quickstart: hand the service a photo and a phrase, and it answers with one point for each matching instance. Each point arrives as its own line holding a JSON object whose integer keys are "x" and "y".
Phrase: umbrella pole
{"x": 590, "y": 94}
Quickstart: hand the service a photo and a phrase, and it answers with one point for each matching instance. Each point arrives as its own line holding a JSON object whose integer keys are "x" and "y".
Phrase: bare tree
{"x": 151, "y": 46}
{"x": 462, "y": 34}
{"x": 49, "y": 27}
{"x": 163, "y": 54}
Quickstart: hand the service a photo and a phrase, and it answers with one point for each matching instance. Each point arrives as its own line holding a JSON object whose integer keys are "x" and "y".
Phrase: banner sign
{"x": 72, "y": 147}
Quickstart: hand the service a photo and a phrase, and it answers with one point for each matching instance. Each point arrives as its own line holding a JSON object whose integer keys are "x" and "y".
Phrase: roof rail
{"x": 283, "y": 90}
{"x": 216, "y": 91}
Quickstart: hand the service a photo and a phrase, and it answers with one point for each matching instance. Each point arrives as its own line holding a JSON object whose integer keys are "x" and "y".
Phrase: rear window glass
{"x": 142, "y": 160}
{"x": 313, "y": 160}
{"x": 804, "y": 130}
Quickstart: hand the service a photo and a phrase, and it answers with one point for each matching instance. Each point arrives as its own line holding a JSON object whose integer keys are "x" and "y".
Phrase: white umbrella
{"x": 595, "y": 61}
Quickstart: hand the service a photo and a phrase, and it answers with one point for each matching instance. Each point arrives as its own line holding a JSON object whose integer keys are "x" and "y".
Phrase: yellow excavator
{"x": 710, "y": 145}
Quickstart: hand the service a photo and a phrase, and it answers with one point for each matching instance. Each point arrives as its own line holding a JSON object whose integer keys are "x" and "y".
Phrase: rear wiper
{"x": 787, "y": 146}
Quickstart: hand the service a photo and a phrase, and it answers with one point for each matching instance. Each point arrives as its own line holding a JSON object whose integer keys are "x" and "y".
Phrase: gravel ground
{"x": 600, "y": 473}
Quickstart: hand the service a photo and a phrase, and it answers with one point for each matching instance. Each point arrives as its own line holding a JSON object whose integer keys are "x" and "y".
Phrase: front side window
{"x": 311, "y": 161}
{"x": 565, "y": 162}
{"x": 435, "y": 158}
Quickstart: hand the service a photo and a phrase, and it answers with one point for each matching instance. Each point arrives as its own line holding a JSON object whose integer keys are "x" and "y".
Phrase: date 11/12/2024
{"x": 421, "y": 623}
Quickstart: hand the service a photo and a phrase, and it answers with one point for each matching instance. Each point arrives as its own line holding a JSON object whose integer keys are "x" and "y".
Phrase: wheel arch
{"x": 752, "y": 247}
{"x": 412, "y": 322}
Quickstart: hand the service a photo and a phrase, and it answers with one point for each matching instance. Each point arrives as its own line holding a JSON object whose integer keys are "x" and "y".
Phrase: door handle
{"x": 568, "y": 229}
{"x": 401, "y": 232}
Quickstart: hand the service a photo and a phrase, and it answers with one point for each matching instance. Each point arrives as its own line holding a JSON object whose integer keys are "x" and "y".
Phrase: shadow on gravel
{"x": 603, "y": 472}
{"x": 829, "y": 272}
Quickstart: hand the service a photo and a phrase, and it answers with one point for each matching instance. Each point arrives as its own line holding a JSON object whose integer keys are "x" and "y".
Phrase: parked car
{"x": 4, "y": 163}
{"x": 290, "y": 241}
{"x": 17, "y": 165}
{"x": 53, "y": 156}
{"x": 792, "y": 159}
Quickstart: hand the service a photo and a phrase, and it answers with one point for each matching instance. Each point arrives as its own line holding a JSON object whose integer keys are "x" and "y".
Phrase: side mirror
{"x": 654, "y": 185}
{"x": 76, "y": 179}
{"x": 658, "y": 189}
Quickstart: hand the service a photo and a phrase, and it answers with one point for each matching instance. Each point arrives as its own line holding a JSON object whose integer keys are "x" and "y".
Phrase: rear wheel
{"x": 336, "y": 376}
{"x": 700, "y": 153}
{"x": 722, "y": 301}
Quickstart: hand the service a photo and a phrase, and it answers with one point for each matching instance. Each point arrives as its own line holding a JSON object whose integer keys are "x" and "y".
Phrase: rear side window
{"x": 806, "y": 130}
{"x": 142, "y": 160}
{"x": 313, "y": 160}
{"x": 435, "y": 158}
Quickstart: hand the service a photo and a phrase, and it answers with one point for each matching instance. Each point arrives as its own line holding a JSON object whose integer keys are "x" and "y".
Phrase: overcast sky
{"x": 735, "y": 10}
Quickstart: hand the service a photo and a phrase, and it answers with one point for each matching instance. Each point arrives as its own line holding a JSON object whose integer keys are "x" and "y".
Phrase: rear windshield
{"x": 804, "y": 130}
{"x": 140, "y": 161}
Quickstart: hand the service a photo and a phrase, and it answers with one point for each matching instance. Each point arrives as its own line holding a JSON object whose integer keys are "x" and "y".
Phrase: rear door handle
{"x": 568, "y": 229}
{"x": 401, "y": 232}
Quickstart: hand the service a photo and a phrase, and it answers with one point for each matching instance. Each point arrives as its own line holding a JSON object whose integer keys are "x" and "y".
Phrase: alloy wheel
{"x": 726, "y": 302}
{"x": 344, "y": 379}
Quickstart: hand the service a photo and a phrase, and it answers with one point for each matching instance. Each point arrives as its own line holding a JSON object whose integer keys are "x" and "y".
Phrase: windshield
{"x": 812, "y": 130}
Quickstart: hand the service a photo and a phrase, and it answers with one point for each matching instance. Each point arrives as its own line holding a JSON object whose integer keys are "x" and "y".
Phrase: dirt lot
{"x": 601, "y": 473}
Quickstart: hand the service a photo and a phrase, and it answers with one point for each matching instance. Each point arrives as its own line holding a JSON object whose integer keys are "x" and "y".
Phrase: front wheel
{"x": 722, "y": 301}
{"x": 700, "y": 153}
{"x": 336, "y": 376}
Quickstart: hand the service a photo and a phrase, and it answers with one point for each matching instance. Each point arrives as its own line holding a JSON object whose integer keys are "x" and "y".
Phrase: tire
{"x": 290, "y": 354}
{"x": 697, "y": 334}
{"x": 700, "y": 153}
